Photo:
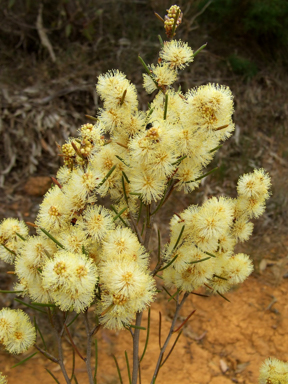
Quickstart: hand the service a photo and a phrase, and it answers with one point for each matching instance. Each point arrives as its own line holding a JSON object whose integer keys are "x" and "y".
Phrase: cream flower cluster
{"x": 85, "y": 253}
{"x": 16, "y": 331}
{"x": 3, "y": 379}
{"x": 274, "y": 371}
{"x": 205, "y": 253}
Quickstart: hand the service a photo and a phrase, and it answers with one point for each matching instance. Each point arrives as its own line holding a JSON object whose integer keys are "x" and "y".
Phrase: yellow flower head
{"x": 3, "y": 379}
{"x": 177, "y": 54}
{"x": 211, "y": 106}
{"x": 163, "y": 76}
{"x": 273, "y": 371}
{"x": 71, "y": 279}
{"x": 23, "y": 335}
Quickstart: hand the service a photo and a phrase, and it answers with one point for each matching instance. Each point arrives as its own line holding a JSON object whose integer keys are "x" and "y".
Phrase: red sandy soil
{"x": 222, "y": 343}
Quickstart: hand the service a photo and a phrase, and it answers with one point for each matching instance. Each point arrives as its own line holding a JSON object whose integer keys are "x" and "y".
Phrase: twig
{"x": 89, "y": 340}
{"x": 43, "y": 35}
{"x": 73, "y": 344}
{"x": 178, "y": 307}
{"x": 47, "y": 354}
{"x": 60, "y": 352}
{"x": 136, "y": 348}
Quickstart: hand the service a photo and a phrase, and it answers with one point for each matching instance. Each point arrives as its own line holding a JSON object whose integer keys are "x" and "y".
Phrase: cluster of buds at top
{"x": 172, "y": 20}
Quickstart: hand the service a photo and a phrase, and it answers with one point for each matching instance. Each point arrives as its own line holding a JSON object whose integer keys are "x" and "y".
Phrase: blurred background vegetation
{"x": 53, "y": 50}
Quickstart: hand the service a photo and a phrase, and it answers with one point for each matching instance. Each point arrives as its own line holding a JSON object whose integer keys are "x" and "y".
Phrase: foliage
{"x": 264, "y": 21}
{"x": 242, "y": 66}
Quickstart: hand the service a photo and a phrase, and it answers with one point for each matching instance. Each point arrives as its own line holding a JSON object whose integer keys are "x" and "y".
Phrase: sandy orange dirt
{"x": 222, "y": 343}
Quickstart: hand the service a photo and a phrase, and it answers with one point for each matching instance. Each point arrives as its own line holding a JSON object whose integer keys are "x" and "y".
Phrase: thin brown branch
{"x": 47, "y": 354}
{"x": 73, "y": 344}
{"x": 185, "y": 321}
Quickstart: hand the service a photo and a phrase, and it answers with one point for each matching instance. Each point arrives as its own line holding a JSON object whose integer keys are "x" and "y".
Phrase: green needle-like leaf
{"x": 52, "y": 238}
{"x": 137, "y": 327}
{"x": 71, "y": 322}
{"x": 44, "y": 304}
{"x": 161, "y": 41}
{"x": 179, "y": 238}
{"x": 106, "y": 177}
{"x": 199, "y": 261}
{"x": 202, "y": 177}
{"x": 168, "y": 265}
{"x": 120, "y": 213}
{"x": 147, "y": 335}
{"x": 30, "y": 306}
{"x": 128, "y": 367}
{"x": 118, "y": 369}
{"x": 166, "y": 106}
{"x": 166, "y": 290}
{"x": 225, "y": 298}
{"x": 51, "y": 374}
{"x": 24, "y": 361}
{"x": 40, "y": 333}
{"x": 21, "y": 237}
{"x": 115, "y": 210}
{"x": 199, "y": 50}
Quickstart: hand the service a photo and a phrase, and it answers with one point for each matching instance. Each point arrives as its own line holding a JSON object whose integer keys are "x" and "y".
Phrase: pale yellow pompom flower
{"x": 125, "y": 277}
{"x": 63, "y": 175}
{"x": 10, "y": 242}
{"x": 9, "y": 249}
{"x": 81, "y": 183}
{"x": 239, "y": 267}
{"x": 132, "y": 124}
{"x": 199, "y": 268}
{"x": 177, "y": 54}
{"x": 112, "y": 118}
{"x": 37, "y": 249}
{"x": 74, "y": 239}
{"x": 163, "y": 76}
{"x": 211, "y": 106}
{"x": 7, "y": 323}
{"x": 214, "y": 219}
{"x": 250, "y": 206}
{"x": 220, "y": 282}
{"x": 145, "y": 145}
{"x": 226, "y": 244}
{"x": 242, "y": 229}
{"x": 3, "y": 379}
{"x": 255, "y": 184}
{"x": 54, "y": 213}
{"x": 169, "y": 277}
{"x": 122, "y": 244}
{"x": 187, "y": 174}
{"x": 174, "y": 111}
{"x": 115, "y": 311}
{"x": 112, "y": 85}
{"x": 97, "y": 223}
{"x": 58, "y": 272}
{"x": 23, "y": 335}
{"x": 9, "y": 228}
{"x": 34, "y": 254}
{"x": 150, "y": 186}
{"x": 273, "y": 371}
{"x": 71, "y": 278}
